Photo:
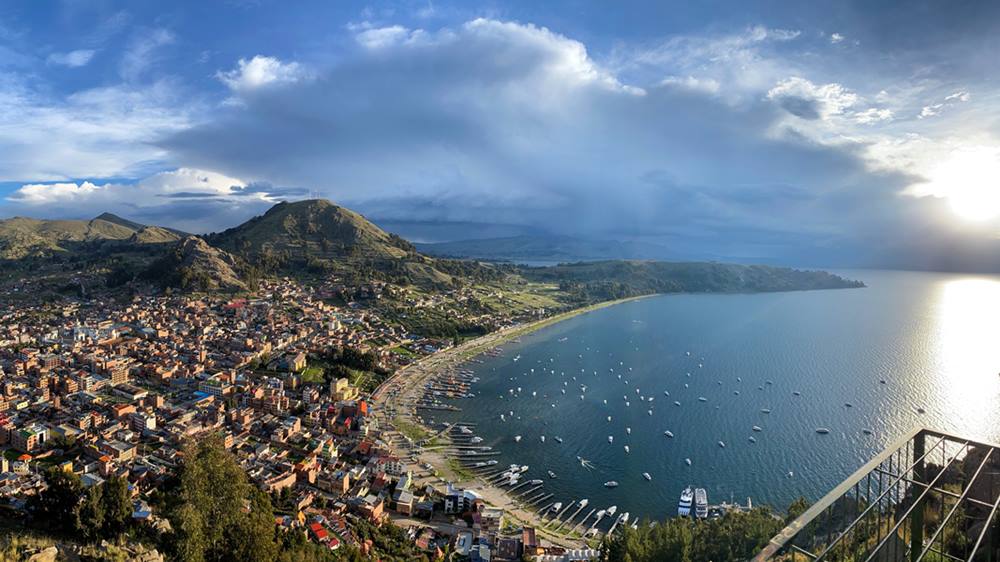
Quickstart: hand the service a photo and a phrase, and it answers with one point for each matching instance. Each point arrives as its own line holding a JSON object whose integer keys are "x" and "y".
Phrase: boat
{"x": 647, "y": 476}
{"x": 611, "y": 484}
{"x": 757, "y": 428}
{"x": 552, "y": 474}
{"x": 650, "y": 412}
{"x": 517, "y": 438}
{"x": 476, "y": 439}
{"x": 558, "y": 439}
{"x": 921, "y": 411}
{"x": 702, "y": 399}
{"x": 611, "y": 439}
{"x": 687, "y": 462}
{"x": 628, "y": 430}
{"x": 556, "y": 507}
{"x": 848, "y": 405}
{"x": 668, "y": 433}
{"x": 677, "y": 403}
{"x": 684, "y": 505}
{"x": 626, "y": 449}
{"x": 797, "y": 393}
{"x": 535, "y": 482}
{"x": 542, "y": 438}
{"x": 765, "y": 410}
{"x": 867, "y": 431}
{"x": 665, "y": 393}
{"x": 609, "y": 419}
{"x": 612, "y": 510}
{"x": 700, "y": 503}
{"x": 822, "y": 430}
{"x": 722, "y": 444}
{"x": 753, "y": 439}
{"x": 583, "y": 503}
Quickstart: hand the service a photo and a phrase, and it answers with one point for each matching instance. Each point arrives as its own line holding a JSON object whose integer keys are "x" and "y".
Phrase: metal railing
{"x": 929, "y": 496}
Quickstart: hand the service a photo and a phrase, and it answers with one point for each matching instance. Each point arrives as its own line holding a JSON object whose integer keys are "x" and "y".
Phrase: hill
{"x": 22, "y": 237}
{"x": 194, "y": 265}
{"x": 595, "y": 281}
{"x": 318, "y": 237}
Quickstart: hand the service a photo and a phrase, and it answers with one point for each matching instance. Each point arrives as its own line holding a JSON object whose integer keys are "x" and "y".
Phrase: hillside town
{"x": 115, "y": 387}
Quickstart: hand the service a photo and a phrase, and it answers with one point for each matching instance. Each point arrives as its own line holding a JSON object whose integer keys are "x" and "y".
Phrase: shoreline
{"x": 391, "y": 396}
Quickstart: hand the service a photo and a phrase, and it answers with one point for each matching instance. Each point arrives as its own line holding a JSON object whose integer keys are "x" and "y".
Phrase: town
{"x": 115, "y": 388}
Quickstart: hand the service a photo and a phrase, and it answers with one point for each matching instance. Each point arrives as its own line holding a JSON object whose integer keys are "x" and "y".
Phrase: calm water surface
{"x": 933, "y": 338}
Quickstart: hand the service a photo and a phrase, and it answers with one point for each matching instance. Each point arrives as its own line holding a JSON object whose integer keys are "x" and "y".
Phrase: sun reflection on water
{"x": 967, "y": 355}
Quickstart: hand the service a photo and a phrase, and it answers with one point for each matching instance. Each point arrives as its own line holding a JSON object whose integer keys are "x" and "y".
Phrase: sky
{"x": 847, "y": 134}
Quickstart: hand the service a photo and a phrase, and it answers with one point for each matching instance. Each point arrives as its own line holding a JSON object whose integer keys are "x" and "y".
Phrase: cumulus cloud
{"x": 873, "y": 115}
{"x": 802, "y": 98}
{"x": 836, "y": 38}
{"x": 261, "y": 71}
{"x": 72, "y": 59}
{"x": 185, "y": 198}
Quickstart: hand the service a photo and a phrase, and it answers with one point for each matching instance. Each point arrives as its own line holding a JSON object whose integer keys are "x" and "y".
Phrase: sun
{"x": 970, "y": 181}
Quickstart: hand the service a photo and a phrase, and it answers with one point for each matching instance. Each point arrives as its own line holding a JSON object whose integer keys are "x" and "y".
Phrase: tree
{"x": 219, "y": 514}
{"x": 58, "y": 505}
{"x": 116, "y": 504}
{"x": 91, "y": 521}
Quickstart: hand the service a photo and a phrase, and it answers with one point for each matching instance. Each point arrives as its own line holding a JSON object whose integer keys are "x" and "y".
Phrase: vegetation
{"x": 735, "y": 536}
{"x": 66, "y": 509}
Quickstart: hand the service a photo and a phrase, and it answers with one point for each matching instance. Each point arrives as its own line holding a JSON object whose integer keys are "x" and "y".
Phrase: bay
{"x": 932, "y": 338}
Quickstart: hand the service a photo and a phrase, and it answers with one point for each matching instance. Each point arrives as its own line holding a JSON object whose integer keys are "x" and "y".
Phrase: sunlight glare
{"x": 970, "y": 180}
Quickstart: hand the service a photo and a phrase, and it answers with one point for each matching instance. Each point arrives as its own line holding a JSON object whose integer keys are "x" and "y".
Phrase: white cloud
{"x": 262, "y": 71}
{"x": 960, "y": 95}
{"x": 72, "y": 59}
{"x": 836, "y": 38}
{"x": 802, "y": 98}
{"x": 873, "y": 115}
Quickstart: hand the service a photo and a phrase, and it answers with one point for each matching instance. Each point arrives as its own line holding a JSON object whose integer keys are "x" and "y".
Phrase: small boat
{"x": 797, "y": 393}
{"x": 611, "y": 439}
{"x": 822, "y": 430}
{"x": 650, "y": 412}
{"x": 765, "y": 410}
{"x": 628, "y": 430}
{"x": 556, "y": 507}
{"x": 687, "y": 462}
{"x": 921, "y": 411}
{"x": 552, "y": 474}
{"x": 753, "y": 439}
{"x": 722, "y": 444}
{"x": 647, "y": 476}
{"x": 867, "y": 431}
{"x": 612, "y": 510}
{"x": 756, "y": 428}
{"x": 626, "y": 449}
{"x": 542, "y": 437}
{"x": 611, "y": 484}
{"x": 668, "y": 433}
{"x": 676, "y": 403}
{"x": 736, "y": 393}
{"x": 558, "y": 439}
{"x": 665, "y": 393}
{"x": 739, "y": 379}
{"x": 609, "y": 419}
{"x": 517, "y": 438}
{"x": 848, "y": 405}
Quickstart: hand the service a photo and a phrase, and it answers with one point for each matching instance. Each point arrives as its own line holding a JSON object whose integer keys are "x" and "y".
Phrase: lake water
{"x": 933, "y": 338}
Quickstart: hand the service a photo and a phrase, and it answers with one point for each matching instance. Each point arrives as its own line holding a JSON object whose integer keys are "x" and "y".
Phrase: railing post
{"x": 917, "y": 515}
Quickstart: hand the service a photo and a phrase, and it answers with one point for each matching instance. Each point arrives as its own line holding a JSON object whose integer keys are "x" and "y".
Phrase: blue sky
{"x": 848, "y": 133}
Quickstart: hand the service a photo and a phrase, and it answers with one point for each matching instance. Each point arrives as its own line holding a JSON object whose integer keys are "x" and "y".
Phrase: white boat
{"x": 611, "y": 439}
{"x": 647, "y": 476}
{"x": 609, "y": 419}
{"x": 668, "y": 433}
{"x": 628, "y": 430}
{"x": 757, "y": 428}
{"x": 702, "y": 399}
{"x": 722, "y": 444}
{"x": 517, "y": 438}
{"x": 700, "y": 503}
{"x": 687, "y": 461}
{"x": 677, "y": 403}
{"x": 556, "y": 507}
{"x": 542, "y": 437}
{"x": 612, "y": 510}
{"x": 684, "y": 505}
{"x": 583, "y": 503}
{"x": 822, "y": 430}
{"x": 552, "y": 474}
{"x": 665, "y": 393}
{"x": 765, "y": 410}
{"x": 558, "y": 439}
{"x": 753, "y": 439}
{"x": 611, "y": 484}
{"x": 650, "y": 412}
{"x": 476, "y": 439}
{"x": 626, "y": 449}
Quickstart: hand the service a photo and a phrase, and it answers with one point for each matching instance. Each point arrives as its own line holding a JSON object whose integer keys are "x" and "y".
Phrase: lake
{"x": 932, "y": 338}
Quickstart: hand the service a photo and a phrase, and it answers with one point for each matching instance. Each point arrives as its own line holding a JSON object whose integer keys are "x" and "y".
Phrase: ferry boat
{"x": 700, "y": 503}
{"x": 684, "y": 506}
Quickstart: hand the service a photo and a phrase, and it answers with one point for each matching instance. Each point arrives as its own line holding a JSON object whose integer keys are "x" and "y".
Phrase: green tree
{"x": 91, "y": 520}
{"x": 58, "y": 505}
{"x": 219, "y": 514}
{"x": 116, "y": 504}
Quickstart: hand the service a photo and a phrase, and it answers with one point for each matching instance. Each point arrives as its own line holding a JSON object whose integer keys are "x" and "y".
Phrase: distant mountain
{"x": 193, "y": 265}
{"x": 545, "y": 249}
{"x": 22, "y": 237}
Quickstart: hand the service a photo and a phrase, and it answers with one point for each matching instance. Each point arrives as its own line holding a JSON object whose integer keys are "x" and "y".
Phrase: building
{"x": 30, "y": 438}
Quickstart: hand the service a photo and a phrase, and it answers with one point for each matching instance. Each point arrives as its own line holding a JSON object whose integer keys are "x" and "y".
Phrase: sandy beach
{"x": 393, "y": 401}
